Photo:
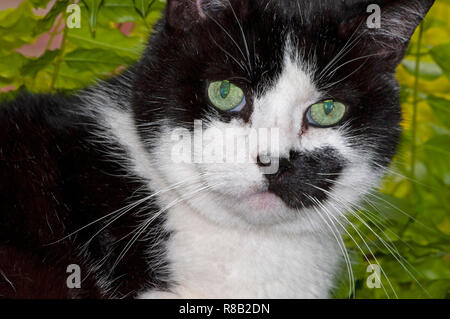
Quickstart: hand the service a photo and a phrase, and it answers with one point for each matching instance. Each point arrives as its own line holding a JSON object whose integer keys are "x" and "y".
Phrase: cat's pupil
{"x": 328, "y": 107}
{"x": 225, "y": 89}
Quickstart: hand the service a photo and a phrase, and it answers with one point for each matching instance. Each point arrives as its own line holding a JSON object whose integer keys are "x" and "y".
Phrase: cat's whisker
{"x": 362, "y": 211}
{"x": 330, "y": 85}
{"x": 229, "y": 36}
{"x": 360, "y": 248}
{"x": 336, "y": 234}
{"x": 350, "y": 61}
{"x": 229, "y": 55}
{"x": 141, "y": 229}
{"x": 148, "y": 222}
{"x": 128, "y": 207}
{"x": 370, "y": 193}
{"x": 375, "y": 218}
{"x": 7, "y": 280}
{"x": 393, "y": 172}
{"x": 146, "y": 199}
{"x": 330, "y": 217}
{"x": 393, "y": 251}
{"x": 120, "y": 211}
{"x": 314, "y": 200}
{"x": 353, "y": 226}
{"x": 401, "y": 211}
{"x": 244, "y": 38}
{"x": 341, "y": 54}
{"x": 389, "y": 246}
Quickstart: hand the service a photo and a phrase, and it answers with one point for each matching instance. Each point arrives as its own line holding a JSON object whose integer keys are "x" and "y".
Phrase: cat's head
{"x": 317, "y": 77}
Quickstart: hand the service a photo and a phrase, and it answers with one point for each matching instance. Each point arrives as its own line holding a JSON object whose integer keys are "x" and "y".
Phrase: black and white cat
{"x": 92, "y": 179}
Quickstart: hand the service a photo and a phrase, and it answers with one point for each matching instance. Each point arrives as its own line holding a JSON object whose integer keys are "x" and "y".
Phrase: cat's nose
{"x": 285, "y": 167}
{"x": 263, "y": 161}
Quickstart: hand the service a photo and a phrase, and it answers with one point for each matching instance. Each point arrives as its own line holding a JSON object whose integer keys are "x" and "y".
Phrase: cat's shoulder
{"x": 37, "y": 135}
{"x": 33, "y": 110}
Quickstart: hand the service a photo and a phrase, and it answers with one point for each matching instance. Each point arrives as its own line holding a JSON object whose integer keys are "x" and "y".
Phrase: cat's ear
{"x": 386, "y": 26}
{"x": 184, "y": 14}
{"x": 181, "y": 14}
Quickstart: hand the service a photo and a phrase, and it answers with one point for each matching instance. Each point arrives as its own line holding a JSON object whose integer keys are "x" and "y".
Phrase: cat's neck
{"x": 212, "y": 261}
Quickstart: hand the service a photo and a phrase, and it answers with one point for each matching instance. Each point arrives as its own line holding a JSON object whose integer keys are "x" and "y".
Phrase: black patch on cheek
{"x": 306, "y": 176}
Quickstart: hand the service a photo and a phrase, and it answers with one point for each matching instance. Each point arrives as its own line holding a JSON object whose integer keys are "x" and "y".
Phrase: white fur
{"x": 211, "y": 261}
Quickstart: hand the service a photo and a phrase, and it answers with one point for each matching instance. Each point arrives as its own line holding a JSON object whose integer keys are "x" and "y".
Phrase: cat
{"x": 92, "y": 181}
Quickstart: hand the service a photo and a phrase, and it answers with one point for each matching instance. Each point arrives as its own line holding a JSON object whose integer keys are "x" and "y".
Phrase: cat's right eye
{"x": 226, "y": 96}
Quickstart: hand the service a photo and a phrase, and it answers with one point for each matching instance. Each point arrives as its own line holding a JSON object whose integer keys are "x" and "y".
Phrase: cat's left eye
{"x": 226, "y": 96}
{"x": 326, "y": 114}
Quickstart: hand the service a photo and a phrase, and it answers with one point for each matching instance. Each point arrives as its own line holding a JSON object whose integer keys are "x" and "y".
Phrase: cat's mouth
{"x": 263, "y": 201}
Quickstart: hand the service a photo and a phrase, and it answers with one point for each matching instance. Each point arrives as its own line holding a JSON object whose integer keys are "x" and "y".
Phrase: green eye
{"x": 226, "y": 96}
{"x": 327, "y": 113}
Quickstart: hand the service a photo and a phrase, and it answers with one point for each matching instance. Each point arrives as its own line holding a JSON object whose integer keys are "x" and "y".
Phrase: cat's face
{"x": 310, "y": 74}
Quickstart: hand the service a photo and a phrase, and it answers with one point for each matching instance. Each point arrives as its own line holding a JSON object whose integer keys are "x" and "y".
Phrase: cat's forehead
{"x": 269, "y": 23}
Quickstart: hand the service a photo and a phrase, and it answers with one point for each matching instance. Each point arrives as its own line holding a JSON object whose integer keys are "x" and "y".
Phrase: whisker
{"x": 229, "y": 55}
{"x": 229, "y": 36}
{"x": 359, "y": 247}
{"x": 392, "y": 249}
{"x": 342, "y": 53}
{"x": 243, "y": 35}
{"x": 120, "y": 211}
{"x": 356, "y": 230}
{"x": 343, "y": 249}
{"x": 141, "y": 229}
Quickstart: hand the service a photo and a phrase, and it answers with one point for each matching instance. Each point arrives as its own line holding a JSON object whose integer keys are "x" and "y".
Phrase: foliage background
{"x": 405, "y": 225}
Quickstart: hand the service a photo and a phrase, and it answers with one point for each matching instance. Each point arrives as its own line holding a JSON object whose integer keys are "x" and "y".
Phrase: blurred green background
{"x": 404, "y": 226}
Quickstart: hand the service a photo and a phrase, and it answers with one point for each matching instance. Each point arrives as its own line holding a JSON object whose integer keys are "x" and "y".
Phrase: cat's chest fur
{"x": 210, "y": 261}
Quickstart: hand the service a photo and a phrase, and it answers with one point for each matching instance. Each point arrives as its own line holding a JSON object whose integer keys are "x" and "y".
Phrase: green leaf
{"x": 11, "y": 16}
{"x": 39, "y": 3}
{"x": 70, "y": 79}
{"x": 125, "y": 11}
{"x": 439, "y": 289}
{"x": 95, "y": 60}
{"x": 16, "y": 26}
{"x": 432, "y": 22}
{"x": 427, "y": 70}
{"x": 10, "y": 64}
{"x": 143, "y": 7}
{"x": 441, "y": 109}
{"x": 441, "y": 54}
{"x": 49, "y": 19}
{"x": 93, "y": 7}
{"x": 35, "y": 65}
{"x": 108, "y": 39}
{"x": 436, "y": 155}
{"x": 118, "y": 11}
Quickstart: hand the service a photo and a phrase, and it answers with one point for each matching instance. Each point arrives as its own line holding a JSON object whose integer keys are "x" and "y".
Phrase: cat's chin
{"x": 263, "y": 208}
{"x": 264, "y": 201}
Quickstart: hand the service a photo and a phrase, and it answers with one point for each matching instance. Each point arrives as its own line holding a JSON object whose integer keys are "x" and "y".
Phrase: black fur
{"x": 54, "y": 181}
{"x": 300, "y": 177}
